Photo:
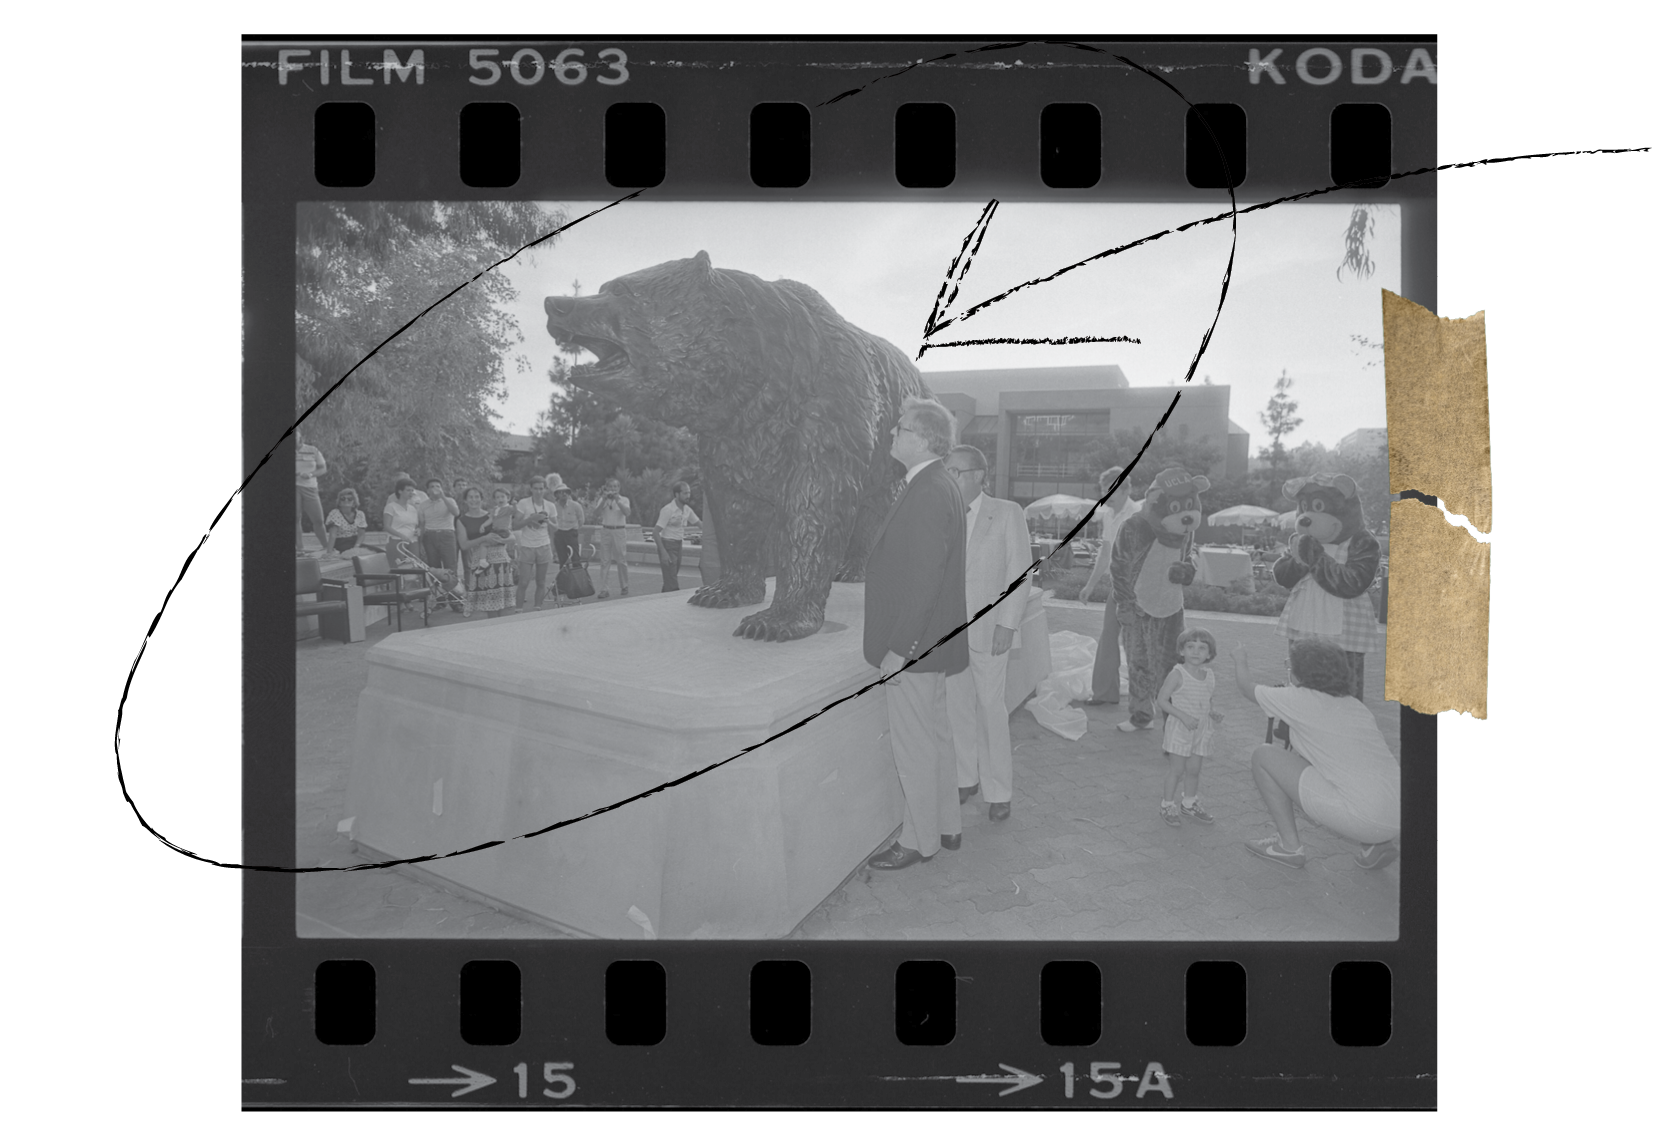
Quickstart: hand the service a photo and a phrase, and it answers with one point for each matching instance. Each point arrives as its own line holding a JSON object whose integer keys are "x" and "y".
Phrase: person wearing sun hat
{"x": 565, "y": 520}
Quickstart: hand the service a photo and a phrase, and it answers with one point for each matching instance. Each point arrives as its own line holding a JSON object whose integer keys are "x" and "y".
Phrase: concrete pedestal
{"x": 477, "y": 732}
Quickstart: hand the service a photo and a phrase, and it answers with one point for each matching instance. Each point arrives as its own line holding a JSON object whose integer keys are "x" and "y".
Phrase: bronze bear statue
{"x": 793, "y": 408}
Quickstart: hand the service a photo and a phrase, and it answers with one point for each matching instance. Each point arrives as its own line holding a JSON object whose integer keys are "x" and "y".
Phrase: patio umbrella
{"x": 1058, "y": 505}
{"x": 1242, "y": 515}
{"x": 1060, "y": 508}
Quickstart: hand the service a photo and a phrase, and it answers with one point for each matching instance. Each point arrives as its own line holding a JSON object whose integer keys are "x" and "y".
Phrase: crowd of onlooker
{"x": 490, "y": 546}
{"x": 946, "y": 550}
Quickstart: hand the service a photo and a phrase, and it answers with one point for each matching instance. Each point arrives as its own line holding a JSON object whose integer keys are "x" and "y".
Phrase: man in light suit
{"x": 914, "y": 595}
{"x": 998, "y": 553}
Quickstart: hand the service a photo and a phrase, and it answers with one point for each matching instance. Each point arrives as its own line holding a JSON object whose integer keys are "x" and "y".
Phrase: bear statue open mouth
{"x": 611, "y": 357}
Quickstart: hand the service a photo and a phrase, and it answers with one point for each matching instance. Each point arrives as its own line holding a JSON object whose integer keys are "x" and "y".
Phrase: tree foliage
{"x": 588, "y": 440}
{"x": 1170, "y": 448}
{"x": 421, "y": 404}
{"x": 1279, "y": 418}
{"x": 1357, "y": 256}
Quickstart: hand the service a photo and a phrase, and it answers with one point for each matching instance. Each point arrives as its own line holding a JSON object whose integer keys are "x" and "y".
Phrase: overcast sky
{"x": 880, "y": 266}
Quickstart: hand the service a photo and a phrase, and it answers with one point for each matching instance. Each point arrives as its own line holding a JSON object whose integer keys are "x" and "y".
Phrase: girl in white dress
{"x": 1187, "y": 699}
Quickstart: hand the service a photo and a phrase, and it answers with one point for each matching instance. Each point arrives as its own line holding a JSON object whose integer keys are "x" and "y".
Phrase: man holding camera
{"x": 612, "y": 509}
{"x": 532, "y": 544}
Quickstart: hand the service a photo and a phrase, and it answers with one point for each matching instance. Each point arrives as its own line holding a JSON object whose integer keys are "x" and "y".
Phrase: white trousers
{"x": 978, "y": 727}
{"x": 925, "y": 756}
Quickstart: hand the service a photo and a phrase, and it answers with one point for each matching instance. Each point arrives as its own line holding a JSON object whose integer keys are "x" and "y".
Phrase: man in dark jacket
{"x": 915, "y": 594}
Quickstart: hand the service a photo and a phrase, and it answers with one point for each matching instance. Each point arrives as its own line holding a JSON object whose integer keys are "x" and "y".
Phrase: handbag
{"x": 573, "y": 582}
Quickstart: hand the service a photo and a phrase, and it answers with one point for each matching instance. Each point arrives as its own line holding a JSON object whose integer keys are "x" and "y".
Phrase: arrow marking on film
{"x": 1015, "y": 1078}
{"x": 475, "y": 1080}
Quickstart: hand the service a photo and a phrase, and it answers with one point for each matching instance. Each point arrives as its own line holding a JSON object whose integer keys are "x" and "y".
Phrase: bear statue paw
{"x": 780, "y": 624}
{"x": 726, "y": 594}
{"x": 849, "y": 574}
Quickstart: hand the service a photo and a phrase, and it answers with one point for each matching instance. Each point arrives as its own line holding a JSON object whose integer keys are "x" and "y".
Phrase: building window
{"x": 1046, "y": 423}
{"x": 1056, "y": 448}
{"x": 986, "y": 444}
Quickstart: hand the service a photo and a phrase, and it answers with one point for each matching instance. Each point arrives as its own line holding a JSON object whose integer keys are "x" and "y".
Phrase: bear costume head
{"x": 1173, "y": 505}
{"x": 1328, "y": 507}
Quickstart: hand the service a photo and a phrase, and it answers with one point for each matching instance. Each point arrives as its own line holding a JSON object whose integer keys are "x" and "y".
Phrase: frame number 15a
{"x": 1110, "y": 1083}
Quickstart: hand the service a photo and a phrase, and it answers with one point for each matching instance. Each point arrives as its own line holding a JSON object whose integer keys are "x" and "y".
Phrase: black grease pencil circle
{"x": 933, "y": 326}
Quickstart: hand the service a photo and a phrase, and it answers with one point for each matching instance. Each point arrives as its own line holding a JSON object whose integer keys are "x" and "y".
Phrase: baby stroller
{"x": 442, "y": 584}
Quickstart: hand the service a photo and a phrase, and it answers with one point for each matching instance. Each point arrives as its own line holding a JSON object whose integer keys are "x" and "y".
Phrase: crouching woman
{"x": 1338, "y": 768}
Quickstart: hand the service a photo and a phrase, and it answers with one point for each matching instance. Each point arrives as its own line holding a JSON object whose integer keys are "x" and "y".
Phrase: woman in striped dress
{"x": 481, "y": 536}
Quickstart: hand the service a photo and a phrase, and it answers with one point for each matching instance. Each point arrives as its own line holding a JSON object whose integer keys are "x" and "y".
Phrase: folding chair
{"x": 331, "y": 597}
{"x": 374, "y": 570}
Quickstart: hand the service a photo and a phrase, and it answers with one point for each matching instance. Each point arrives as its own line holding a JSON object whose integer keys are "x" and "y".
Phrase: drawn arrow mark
{"x": 1015, "y": 1078}
{"x": 475, "y": 1080}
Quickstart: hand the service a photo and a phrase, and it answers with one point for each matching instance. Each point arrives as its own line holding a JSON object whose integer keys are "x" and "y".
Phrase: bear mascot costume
{"x": 1149, "y": 568}
{"x": 1332, "y": 561}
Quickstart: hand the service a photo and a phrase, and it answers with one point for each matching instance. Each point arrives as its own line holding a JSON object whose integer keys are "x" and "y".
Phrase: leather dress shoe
{"x": 895, "y": 857}
{"x": 1097, "y": 700}
{"x": 968, "y": 793}
{"x": 951, "y": 843}
{"x": 999, "y": 812}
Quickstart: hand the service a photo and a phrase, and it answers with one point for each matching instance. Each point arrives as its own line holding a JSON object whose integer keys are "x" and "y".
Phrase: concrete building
{"x": 1043, "y": 429}
{"x": 1366, "y": 441}
{"x": 516, "y": 454}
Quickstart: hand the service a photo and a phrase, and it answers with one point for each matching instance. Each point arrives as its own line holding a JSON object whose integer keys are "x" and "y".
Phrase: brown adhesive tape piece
{"x": 1438, "y": 613}
{"x": 1436, "y": 383}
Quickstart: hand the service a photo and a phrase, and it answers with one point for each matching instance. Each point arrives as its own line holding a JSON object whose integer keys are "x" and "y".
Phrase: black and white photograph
{"x": 717, "y": 487}
{"x": 654, "y": 400}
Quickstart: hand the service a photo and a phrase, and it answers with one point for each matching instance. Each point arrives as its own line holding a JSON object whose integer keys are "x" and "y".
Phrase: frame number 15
{"x": 555, "y": 1073}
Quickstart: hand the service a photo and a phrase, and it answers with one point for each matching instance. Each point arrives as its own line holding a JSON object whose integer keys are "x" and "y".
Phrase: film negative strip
{"x": 827, "y": 679}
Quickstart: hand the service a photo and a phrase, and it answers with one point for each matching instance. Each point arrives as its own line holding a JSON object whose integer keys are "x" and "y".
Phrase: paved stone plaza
{"x": 1084, "y": 855}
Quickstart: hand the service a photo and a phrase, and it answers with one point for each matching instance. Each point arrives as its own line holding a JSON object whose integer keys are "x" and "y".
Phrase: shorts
{"x": 1179, "y": 740}
{"x": 526, "y": 556}
{"x": 611, "y": 543}
{"x": 1327, "y": 805}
